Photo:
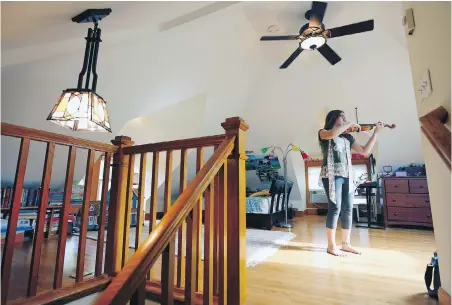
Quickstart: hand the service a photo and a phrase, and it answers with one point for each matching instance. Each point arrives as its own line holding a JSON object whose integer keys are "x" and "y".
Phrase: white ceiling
{"x": 34, "y": 30}
{"x": 26, "y": 24}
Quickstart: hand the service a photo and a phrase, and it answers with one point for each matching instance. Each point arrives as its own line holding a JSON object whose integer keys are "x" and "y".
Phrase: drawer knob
{"x": 394, "y": 200}
{"x": 421, "y": 186}
{"x": 427, "y": 201}
{"x": 429, "y": 215}
{"x": 395, "y": 214}
{"x": 396, "y": 186}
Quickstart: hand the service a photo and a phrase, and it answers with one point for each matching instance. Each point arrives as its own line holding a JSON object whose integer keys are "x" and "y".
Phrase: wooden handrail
{"x": 175, "y": 145}
{"x": 131, "y": 276}
{"x": 66, "y": 294}
{"x": 45, "y": 136}
{"x": 437, "y": 133}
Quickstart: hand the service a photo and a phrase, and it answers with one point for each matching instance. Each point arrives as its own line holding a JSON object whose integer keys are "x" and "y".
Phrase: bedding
{"x": 258, "y": 205}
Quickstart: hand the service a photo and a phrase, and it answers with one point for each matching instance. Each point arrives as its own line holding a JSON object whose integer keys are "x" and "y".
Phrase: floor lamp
{"x": 271, "y": 151}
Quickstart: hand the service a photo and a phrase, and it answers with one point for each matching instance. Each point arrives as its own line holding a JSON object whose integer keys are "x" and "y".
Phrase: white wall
{"x": 219, "y": 57}
{"x": 167, "y": 124}
{"x": 438, "y": 60}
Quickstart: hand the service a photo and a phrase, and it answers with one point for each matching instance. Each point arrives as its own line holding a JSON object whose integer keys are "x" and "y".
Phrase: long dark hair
{"x": 330, "y": 120}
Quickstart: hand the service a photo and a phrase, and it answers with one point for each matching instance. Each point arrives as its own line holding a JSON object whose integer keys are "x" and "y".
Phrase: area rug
{"x": 260, "y": 244}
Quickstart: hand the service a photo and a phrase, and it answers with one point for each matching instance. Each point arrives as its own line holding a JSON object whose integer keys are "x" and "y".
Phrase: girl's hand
{"x": 354, "y": 125}
{"x": 379, "y": 126}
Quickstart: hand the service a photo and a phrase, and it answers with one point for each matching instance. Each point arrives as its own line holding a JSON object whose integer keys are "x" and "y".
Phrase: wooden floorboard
{"x": 389, "y": 271}
{"x": 22, "y": 258}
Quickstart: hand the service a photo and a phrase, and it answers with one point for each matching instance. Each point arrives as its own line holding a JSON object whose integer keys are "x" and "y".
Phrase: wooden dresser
{"x": 407, "y": 201}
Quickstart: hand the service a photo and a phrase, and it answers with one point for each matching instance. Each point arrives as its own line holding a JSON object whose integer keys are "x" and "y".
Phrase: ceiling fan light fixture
{"x": 312, "y": 43}
{"x": 313, "y": 35}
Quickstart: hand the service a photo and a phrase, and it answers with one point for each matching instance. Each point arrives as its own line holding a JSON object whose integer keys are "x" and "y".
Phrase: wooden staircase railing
{"x": 220, "y": 278}
{"x": 432, "y": 125}
{"x": 26, "y": 136}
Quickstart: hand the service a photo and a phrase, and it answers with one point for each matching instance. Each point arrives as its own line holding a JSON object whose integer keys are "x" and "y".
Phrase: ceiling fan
{"x": 313, "y": 35}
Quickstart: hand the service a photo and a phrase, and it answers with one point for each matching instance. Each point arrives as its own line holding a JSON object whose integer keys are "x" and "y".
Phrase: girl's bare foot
{"x": 334, "y": 251}
{"x": 346, "y": 247}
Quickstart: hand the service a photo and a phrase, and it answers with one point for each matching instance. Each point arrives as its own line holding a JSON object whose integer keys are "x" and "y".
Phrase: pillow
{"x": 261, "y": 193}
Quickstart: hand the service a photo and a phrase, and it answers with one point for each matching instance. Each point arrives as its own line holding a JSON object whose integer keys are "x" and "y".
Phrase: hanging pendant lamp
{"x": 82, "y": 109}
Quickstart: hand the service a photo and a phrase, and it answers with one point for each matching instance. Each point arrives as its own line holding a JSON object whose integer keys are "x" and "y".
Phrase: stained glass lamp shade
{"x": 81, "y": 110}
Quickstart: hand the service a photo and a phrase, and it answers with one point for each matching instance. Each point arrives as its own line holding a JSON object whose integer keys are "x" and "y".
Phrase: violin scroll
{"x": 392, "y": 126}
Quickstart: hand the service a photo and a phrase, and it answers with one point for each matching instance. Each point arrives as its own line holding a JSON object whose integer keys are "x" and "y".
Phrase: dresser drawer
{"x": 396, "y": 186}
{"x": 408, "y": 200}
{"x": 422, "y": 215}
{"x": 418, "y": 186}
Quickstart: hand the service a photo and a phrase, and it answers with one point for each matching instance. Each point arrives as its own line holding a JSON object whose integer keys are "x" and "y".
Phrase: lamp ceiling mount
{"x": 92, "y": 15}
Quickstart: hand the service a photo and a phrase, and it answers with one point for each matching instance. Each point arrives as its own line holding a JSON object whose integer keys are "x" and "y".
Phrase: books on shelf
{"x": 30, "y": 196}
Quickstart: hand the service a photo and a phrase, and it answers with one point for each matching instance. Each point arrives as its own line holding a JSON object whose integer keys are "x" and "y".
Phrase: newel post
{"x": 236, "y": 204}
{"x": 117, "y": 207}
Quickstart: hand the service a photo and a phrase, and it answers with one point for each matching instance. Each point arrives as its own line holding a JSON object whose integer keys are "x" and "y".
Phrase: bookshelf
{"x": 30, "y": 205}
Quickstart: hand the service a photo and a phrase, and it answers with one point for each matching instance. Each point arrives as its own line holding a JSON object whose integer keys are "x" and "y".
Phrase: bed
{"x": 267, "y": 210}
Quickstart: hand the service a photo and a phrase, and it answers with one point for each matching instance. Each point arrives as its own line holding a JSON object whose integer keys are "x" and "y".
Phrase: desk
{"x": 368, "y": 187}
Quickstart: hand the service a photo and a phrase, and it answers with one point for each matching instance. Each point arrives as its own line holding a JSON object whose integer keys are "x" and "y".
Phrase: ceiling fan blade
{"x": 288, "y": 37}
{"x": 353, "y": 28}
{"x": 291, "y": 58}
{"x": 329, "y": 54}
{"x": 317, "y": 13}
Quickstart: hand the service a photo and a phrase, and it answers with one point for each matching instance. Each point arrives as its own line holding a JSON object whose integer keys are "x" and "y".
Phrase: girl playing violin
{"x": 336, "y": 174}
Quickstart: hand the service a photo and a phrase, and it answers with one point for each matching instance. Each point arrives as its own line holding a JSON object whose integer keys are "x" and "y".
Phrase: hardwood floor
{"x": 389, "y": 271}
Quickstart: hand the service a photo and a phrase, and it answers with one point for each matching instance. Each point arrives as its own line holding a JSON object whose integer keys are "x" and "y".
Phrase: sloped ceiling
{"x": 215, "y": 54}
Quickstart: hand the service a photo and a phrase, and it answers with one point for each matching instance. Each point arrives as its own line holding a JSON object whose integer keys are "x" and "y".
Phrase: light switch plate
{"x": 425, "y": 86}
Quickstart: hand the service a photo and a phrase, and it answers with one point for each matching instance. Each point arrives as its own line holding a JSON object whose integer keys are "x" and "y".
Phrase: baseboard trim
{"x": 311, "y": 211}
{"x": 443, "y": 297}
{"x": 300, "y": 213}
{"x": 306, "y": 212}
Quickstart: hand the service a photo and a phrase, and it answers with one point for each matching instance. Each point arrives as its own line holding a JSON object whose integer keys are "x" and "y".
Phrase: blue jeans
{"x": 343, "y": 205}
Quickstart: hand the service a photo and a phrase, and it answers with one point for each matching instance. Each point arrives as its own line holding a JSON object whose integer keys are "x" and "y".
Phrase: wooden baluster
{"x": 191, "y": 266}
{"x": 8, "y": 248}
{"x": 216, "y": 233}
{"x": 95, "y": 181}
{"x": 181, "y": 235}
{"x": 222, "y": 236}
{"x": 128, "y": 215}
{"x": 116, "y": 209}
{"x": 208, "y": 244}
{"x": 198, "y": 220}
{"x": 103, "y": 215}
{"x": 140, "y": 207}
{"x": 64, "y": 216}
{"x": 236, "y": 213}
{"x": 40, "y": 221}
{"x": 84, "y": 218}
{"x": 139, "y": 297}
{"x": 168, "y": 181}
{"x": 154, "y": 197}
{"x": 168, "y": 254}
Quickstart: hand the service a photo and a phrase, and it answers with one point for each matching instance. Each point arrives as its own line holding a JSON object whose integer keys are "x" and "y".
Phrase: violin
{"x": 367, "y": 127}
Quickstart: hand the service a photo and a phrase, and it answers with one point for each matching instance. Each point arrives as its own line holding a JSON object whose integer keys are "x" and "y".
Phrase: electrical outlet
{"x": 425, "y": 86}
